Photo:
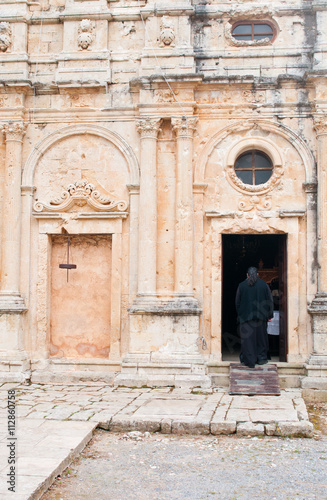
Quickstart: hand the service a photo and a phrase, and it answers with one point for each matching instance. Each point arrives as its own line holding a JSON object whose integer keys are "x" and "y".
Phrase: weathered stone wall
{"x": 151, "y": 102}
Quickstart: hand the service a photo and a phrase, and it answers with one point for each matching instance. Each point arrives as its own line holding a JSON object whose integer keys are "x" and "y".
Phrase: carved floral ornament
{"x": 274, "y": 180}
{"x": 184, "y": 126}
{"x": 14, "y": 130}
{"x": 148, "y": 127}
{"x": 81, "y": 193}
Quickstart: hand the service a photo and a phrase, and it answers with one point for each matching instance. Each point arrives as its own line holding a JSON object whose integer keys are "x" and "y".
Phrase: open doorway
{"x": 268, "y": 254}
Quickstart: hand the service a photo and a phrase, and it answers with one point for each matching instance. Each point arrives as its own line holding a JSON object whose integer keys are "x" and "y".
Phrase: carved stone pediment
{"x": 80, "y": 194}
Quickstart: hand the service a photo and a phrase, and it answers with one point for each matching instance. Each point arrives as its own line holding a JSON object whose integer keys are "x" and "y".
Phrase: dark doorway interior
{"x": 268, "y": 254}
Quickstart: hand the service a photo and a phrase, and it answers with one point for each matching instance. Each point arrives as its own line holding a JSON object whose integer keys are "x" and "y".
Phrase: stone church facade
{"x": 151, "y": 152}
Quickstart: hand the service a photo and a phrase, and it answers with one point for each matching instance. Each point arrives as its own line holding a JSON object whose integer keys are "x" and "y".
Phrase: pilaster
{"x": 148, "y": 129}
{"x": 184, "y": 129}
{"x": 14, "y": 365}
{"x": 318, "y": 308}
{"x": 10, "y": 299}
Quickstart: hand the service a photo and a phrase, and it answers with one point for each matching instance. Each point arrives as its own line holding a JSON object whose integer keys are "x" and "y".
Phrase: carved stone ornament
{"x": 273, "y": 182}
{"x": 254, "y": 202}
{"x": 167, "y": 34}
{"x": 14, "y": 131}
{"x": 184, "y": 126}
{"x": 5, "y": 36}
{"x": 148, "y": 127}
{"x": 81, "y": 193}
{"x": 320, "y": 124}
{"x": 165, "y": 95}
{"x": 86, "y": 35}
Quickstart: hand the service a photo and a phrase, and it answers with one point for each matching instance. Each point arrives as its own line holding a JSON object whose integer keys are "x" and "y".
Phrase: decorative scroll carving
{"x": 167, "y": 34}
{"x": 184, "y": 126}
{"x": 320, "y": 124}
{"x": 81, "y": 193}
{"x": 255, "y": 202}
{"x": 5, "y": 36}
{"x": 148, "y": 127}
{"x": 86, "y": 35}
{"x": 14, "y": 131}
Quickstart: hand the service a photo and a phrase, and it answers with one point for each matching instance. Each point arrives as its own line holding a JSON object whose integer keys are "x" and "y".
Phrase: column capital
{"x": 310, "y": 187}
{"x": 148, "y": 127}
{"x": 28, "y": 190}
{"x": 14, "y": 131}
{"x": 320, "y": 124}
{"x": 184, "y": 126}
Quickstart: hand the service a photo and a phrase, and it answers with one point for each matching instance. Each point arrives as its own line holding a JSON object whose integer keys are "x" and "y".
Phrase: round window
{"x": 253, "y": 168}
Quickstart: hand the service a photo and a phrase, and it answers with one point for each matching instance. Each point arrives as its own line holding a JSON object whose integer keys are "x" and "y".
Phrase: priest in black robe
{"x": 254, "y": 306}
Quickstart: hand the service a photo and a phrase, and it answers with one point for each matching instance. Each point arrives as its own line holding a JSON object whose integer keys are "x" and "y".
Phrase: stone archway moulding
{"x": 279, "y": 129}
{"x": 54, "y": 137}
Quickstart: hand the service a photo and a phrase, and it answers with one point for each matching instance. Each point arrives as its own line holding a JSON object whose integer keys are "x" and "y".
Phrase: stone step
{"x": 290, "y": 374}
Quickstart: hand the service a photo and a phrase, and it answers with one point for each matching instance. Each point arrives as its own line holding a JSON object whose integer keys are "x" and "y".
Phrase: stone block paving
{"x": 53, "y": 423}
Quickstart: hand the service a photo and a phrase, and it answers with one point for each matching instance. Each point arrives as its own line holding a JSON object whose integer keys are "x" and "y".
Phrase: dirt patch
{"x": 172, "y": 467}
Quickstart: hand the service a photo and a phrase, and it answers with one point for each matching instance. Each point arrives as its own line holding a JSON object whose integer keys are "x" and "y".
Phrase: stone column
{"x": 147, "y": 268}
{"x": 184, "y": 129}
{"x": 11, "y": 223}
{"x": 317, "y": 366}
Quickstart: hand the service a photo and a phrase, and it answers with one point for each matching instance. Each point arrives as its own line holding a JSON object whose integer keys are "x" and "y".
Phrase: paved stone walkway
{"x": 53, "y": 423}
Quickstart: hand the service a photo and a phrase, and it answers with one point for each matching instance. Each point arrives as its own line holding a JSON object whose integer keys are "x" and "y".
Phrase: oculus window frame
{"x": 249, "y": 31}
{"x": 254, "y": 167}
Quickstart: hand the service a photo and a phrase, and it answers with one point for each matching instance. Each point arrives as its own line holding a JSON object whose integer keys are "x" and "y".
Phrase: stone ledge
{"x": 71, "y": 377}
{"x": 315, "y": 395}
{"x": 250, "y": 429}
{"x": 318, "y": 382}
{"x": 187, "y": 380}
{"x": 183, "y": 306}
{"x": 194, "y": 426}
{"x": 294, "y": 429}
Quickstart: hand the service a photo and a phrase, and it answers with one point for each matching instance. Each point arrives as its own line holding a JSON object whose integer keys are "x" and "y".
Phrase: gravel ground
{"x": 169, "y": 467}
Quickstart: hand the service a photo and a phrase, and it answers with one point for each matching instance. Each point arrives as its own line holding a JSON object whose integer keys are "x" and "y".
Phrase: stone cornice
{"x": 216, "y": 12}
{"x": 80, "y": 215}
